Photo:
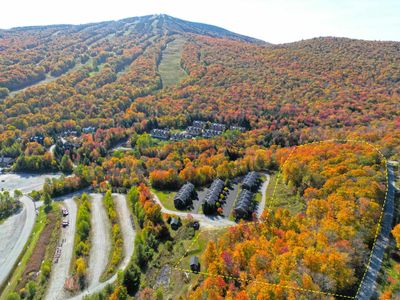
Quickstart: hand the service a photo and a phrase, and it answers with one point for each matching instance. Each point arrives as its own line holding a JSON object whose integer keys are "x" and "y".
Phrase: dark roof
{"x": 243, "y": 203}
{"x": 180, "y": 136}
{"x": 174, "y": 221}
{"x": 208, "y": 133}
{"x": 250, "y": 180}
{"x": 214, "y": 191}
{"x": 6, "y": 160}
{"x": 160, "y": 133}
{"x": 194, "y": 260}
{"x": 89, "y": 129}
{"x": 184, "y": 196}
{"x": 240, "y": 128}
{"x": 200, "y": 124}
{"x": 218, "y": 126}
{"x": 194, "y": 130}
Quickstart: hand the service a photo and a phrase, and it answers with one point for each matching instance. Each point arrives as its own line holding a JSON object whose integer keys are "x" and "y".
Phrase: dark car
{"x": 196, "y": 225}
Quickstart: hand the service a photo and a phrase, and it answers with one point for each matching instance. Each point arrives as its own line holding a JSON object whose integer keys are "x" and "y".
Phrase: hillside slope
{"x": 100, "y": 85}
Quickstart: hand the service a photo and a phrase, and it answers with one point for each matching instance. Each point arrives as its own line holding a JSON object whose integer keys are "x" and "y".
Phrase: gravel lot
{"x": 60, "y": 270}
{"x": 101, "y": 243}
{"x": 127, "y": 229}
{"x": 128, "y": 233}
{"x": 25, "y": 182}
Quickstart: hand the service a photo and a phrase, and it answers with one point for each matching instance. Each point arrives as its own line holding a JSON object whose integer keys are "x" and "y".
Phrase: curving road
{"x": 60, "y": 270}
{"x": 14, "y": 233}
{"x": 205, "y": 221}
{"x": 367, "y": 287}
{"x": 101, "y": 241}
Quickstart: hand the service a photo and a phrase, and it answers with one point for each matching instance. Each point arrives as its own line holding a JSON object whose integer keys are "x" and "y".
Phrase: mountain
{"x": 156, "y": 23}
{"x": 71, "y": 95}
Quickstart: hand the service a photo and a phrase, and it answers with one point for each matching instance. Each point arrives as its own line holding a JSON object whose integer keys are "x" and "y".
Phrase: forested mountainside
{"x": 106, "y": 75}
{"x": 71, "y": 96}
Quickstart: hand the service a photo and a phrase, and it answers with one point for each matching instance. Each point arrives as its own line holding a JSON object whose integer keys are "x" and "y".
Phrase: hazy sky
{"x": 275, "y": 21}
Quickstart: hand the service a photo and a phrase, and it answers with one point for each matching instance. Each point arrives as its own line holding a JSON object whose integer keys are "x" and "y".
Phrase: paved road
{"x": 368, "y": 286}
{"x": 101, "y": 241}
{"x": 205, "y": 221}
{"x": 60, "y": 270}
{"x": 52, "y": 149}
{"x": 261, "y": 206}
{"x": 128, "y": 233}
{"x": 230, "y": 200}
{"x": 14, "y": 233}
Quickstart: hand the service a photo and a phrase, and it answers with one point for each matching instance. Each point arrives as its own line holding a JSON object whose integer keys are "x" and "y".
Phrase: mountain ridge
{"x": 172, "y": 23}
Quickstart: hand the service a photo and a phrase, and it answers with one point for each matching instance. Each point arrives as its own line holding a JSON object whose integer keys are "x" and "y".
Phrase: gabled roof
{"x": 250, "y": 180}
{"x": 243, "y": 203}
{"x": 174, "y": 221}
{"x": 185, "y": 191}
{"x": 214, "y": 191}
{"x": 194, "y": 260}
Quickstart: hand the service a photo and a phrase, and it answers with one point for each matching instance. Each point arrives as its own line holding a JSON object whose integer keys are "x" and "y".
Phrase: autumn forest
{"x": 319, "y": 117}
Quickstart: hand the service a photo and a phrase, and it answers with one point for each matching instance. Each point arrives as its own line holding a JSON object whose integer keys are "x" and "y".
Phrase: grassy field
{"x": 170, "y": 65}
{"x": 283, "y": 196}
{"x": 166, "y": 198}
{"x": 38, "y": 227}
{"x": 181, "y": 282}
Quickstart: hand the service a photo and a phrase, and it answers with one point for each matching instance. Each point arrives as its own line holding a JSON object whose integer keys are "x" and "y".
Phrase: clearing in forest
{"x": 170, "y": 68}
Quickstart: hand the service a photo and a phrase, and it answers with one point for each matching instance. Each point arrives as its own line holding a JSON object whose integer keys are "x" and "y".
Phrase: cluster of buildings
{"x": 37, "y": 138}
{"x": 89, "y": 129}
{"x": 86, "y": 130}
{"x": 184, "y": 197}
{"x": 216, "y": 194}
{"x": 68, "y": 144}
{"x": 244, "y": 205}
{"x": 197, "y": 129}
{"x": 161, "y": 134}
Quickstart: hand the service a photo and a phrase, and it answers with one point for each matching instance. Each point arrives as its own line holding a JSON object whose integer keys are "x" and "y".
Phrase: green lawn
{"x": 283, "y": 196}
{"x": 198, "y": 247}
{"x": 170, "y": 68}
{"x": 166, "y": 198}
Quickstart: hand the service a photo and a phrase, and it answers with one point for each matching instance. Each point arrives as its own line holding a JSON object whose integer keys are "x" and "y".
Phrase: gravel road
{"x": 60, "y": 270}
{"x": 128, "y": 232}
{"x": 101, "y": 241}
{"x": 14, "y": 233}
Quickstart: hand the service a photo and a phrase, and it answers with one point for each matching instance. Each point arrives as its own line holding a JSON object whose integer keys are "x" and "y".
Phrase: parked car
{"x": 196, "y": 225}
